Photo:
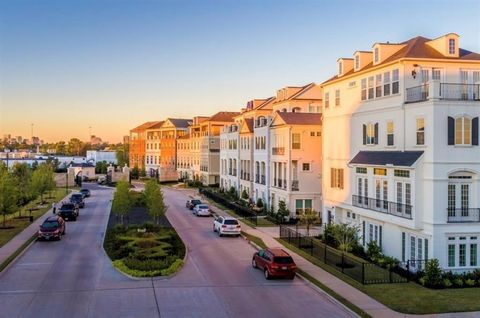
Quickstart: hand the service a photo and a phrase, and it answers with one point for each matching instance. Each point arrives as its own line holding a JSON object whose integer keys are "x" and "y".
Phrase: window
{"x": 412, "y": 248}
{"x": 303, "y": 205}
{"x": 473, "y": 254}
{"x": 327, "y": 100}
{"x": 386, "y": 83}
{"x": 370, "y": 88}
{"x": 420, "y": 249}
{"x": 380, "y": 171}
{"x": 378, "y": 85}
{"x": 357, "y": 62}
{"x": 364, "y": 88}
{"x": 436, "y": 74}
{"x": 306, "y": 166}
{"x": 370, "y": 134}
{"x": 451, "y": 46}
{"x": 420, "y": 131}
{"x": 376, "y": 55}
{"x": 296, "y": 141}
{"x": 361, "y": 170}
{"x": 336, "y": 178}
{"x": 463, "y": 131}
{"x": 395, "y": 82}
{"x": 390, "y": 135}
{"x": 451, "y": 255}
{"x": 312, "y": 134}
{"x": 401, "y": 173}
{"x": 462, "y": 254}
{"x": 337, "y": 97}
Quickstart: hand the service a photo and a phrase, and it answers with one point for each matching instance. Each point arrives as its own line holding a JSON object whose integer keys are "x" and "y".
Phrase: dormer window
{"x": 357, "y": 62}
{"x": 340, "y": 68}
{"x": 451, "y": 46}
{"x": 376, "y": 55}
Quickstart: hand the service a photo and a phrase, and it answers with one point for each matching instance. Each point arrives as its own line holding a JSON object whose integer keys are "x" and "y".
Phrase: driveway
{"x": 74, "y": 277}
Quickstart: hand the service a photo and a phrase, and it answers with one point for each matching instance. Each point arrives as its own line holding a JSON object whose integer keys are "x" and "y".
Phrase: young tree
{"x": 135, "y": 172}
{"x": 282, "y": 211}
{"x": 345, "y": 236}
{"x": 43, "y": 180}
{"x": 155, "y": 201}
{"x": 308, "y": 217}
{"x": 121, "y": 200}
{"x": 8, "y": 194}
{"x": 244, "y": 195}
{"x": 22, "y": 174}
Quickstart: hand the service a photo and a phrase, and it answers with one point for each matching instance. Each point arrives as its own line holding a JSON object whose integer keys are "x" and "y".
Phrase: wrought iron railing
{"x": 463, "y": 215}
{"x": 454, "y": 91}
{"x": 393, "y": 208}
{"x": 417, "y": 94}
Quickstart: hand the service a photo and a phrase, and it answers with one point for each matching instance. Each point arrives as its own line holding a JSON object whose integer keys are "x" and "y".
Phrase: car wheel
{"x": 267, "y": 274}
{"x": 254, "y": 263}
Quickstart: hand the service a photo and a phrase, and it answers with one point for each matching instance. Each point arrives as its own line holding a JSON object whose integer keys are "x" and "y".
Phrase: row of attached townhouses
{"x": 390, "y": 144}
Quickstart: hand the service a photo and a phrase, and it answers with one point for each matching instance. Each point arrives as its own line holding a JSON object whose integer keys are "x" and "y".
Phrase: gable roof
{"x": 157, "y": 125}
{"x": 302, "y": 90}
{"x": 300, "y": 118}
{"x": 247, "y": 126}
{"x": 180, "y": 122}
{"x": 223, "y": 116}
{"x": 266, "y": 103}
{"x": 146, "y": 125}
{"x": 416, "y": 47}
{"x": 382, "y": 158}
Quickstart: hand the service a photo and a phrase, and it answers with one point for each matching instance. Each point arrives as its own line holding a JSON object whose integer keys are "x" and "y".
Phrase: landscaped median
{"x": 146, "y": 250}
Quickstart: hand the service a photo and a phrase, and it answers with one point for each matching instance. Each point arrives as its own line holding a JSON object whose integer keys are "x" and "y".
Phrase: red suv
{"x": 52, "y": 228}
{"x": 274, "y": 262}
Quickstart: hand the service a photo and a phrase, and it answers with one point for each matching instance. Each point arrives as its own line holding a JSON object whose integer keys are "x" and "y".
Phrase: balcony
{"x": 463, "y": 215}
{"x": 442, "y": 91}
{"x": 278, "y": 151}
{"x": 295, "y": 185}
{"x": 392, "y": 208}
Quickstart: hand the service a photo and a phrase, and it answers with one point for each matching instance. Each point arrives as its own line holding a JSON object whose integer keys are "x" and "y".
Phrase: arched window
{"x": 296, "y": 110}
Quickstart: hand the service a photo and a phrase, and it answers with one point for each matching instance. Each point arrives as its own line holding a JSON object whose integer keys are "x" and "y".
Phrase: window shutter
{"x": 341, "y": 177}
{"x": 475, "y": 131}
{"x": 376, "y": 134}
{"x": 403, "y": 246}
{"x": 363, "y": 233}
{"x": 364, "y": 134}
{"x": 426, "y": 249}
{"x": 380, "y": 237}
{"x": 332, "y": 177}
{"x": 451, "y": 130}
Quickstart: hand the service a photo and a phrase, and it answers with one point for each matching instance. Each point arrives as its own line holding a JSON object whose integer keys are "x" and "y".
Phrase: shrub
{"x": 422, "y": 281}
{"x": 374, "y": 253}
{"x": 358, "y": 250}
{"x": 145, "y": 265}
{"x": 387, "y": 261}
{"x": 458, "y": 282}
{"x": 244, "y": 195}
{"x": 447, "y": 283}
{"x": 433, "y": 273}
{"x": 329, "y": 235}
{"x": 470, "y": 282}
{"x": 259, "y": 203}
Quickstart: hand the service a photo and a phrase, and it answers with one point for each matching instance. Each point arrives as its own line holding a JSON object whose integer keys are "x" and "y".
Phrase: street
{"x": 74, "y": 277}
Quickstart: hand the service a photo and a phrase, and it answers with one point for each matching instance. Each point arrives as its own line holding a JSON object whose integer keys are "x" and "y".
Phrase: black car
{"x": 77, "y": 198}
{"x": 52, "y": 228}
{"x": 85, "y": 193}
{"x": 192, "y": 203}
{"x": 68, "y": 211}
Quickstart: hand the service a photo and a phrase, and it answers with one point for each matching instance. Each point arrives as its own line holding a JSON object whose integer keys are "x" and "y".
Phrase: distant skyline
{"x": 110, "y": 65}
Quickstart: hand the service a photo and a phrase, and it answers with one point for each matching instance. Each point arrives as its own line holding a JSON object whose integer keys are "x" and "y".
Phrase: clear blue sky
{"x": 67, "y": 65}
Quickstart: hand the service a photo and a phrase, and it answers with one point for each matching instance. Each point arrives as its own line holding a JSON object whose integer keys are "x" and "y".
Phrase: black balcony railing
{"x": 454, "y": 91}
{"x": 463, "y": 215}
{"x": 417, "y": 94}
{"x": 295, "y": 185}
{"x": 393, "y": 208}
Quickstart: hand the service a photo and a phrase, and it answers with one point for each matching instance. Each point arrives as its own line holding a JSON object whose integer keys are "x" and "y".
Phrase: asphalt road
{"x": 74, "y": 277}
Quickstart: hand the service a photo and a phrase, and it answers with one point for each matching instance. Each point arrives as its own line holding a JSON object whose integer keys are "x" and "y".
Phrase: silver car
{"x": 201, "y": 210}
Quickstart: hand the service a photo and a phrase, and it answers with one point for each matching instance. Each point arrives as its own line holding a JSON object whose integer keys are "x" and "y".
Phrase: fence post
{"x": 325, "y": 253}
{"x": 343, "y": 266}
{"x": 363, "y": 273}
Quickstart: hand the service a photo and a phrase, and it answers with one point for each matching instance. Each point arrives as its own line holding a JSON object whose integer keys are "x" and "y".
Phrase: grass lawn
{"x": 254, "y": 239}
{"x": 20, "y": 224}
{"x": 145, "y": 250}
{"x": 409, "y": 298}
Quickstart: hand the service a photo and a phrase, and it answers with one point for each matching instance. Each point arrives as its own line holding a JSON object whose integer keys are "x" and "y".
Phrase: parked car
{"x": 102, "y": 180}
{"x": 85, "y": 193}
{"x": 77, "y": 198}
{"x": 225, "y": 225}
{"x": 274, "y": 262}
{"x": 192, "y": 203}
{"x": 68, "y": 211}
{"x": 201, "y": 210}
{"x": 52, "y": 228}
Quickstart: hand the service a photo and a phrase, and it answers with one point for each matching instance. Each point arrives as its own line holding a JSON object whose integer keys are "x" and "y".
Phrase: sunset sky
{"x": 112, "y": 65}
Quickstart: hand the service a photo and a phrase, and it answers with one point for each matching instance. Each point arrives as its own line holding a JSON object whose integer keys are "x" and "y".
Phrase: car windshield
{"x": 195, "y": 202}
{"x": 283, "y": 260}
{"x": 50, "y": 224}
{"x": 231, "y": 222}
{"x": 76, "y": 196}
{"x": 67, "y": 207}
{"x": 84, "y": 190}
{"x": 203, "y": 206}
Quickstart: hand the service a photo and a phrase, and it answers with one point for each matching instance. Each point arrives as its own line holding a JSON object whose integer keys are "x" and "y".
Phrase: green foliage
{"x": 43, "y": 180}
{"x": 308, "y": 218}
{"x": 154, "y": 199}
{"x": 458, "y": 282}
{"x": 23, "y": 176}
{"x": 433, "y": 273}
{"x": 232, "y": 192}
{"x": 135, "y": 173}
{"x": 259, "y": 203}
{"x": 143, "y": 173}
{"x": 121, "y": 199}
{"x": 447, "y": 283}
{"x": 121, "y": 156}
{"x": 374, "y": 253}
{"x": 244, "y": 195}
{"x": 101, "y": 167}
{"x": 470, "y": 282}
{"x": 328, "y": 235}
{"x": 8, "y": 194}
{"x": 282, "y": 211}
{"x": 345, "y": 236}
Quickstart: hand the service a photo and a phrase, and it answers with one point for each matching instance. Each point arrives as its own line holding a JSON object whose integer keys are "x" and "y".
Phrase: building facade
{"x": 137, "y": 145}
{"x": 400, "y": 149}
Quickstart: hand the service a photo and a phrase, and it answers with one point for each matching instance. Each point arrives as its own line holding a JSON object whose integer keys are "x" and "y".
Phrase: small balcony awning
{"x": 383, "y": 158}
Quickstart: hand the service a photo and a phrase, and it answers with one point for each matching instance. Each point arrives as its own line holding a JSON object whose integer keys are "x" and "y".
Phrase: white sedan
{"x": 201, "y": 210}
{"x": 225, "y": 225}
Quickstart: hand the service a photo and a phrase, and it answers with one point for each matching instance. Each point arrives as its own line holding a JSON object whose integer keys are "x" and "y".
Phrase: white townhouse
{"x": 229, "y": 156}
{"x": 152, "y": 149}
{"x": 400, "y": 149}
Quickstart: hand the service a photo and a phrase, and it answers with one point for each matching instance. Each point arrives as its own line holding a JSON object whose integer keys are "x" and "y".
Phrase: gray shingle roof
{"x": 382, "y": 158}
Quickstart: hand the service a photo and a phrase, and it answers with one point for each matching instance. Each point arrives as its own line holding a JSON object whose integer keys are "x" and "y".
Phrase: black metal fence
{"x": 239, "y": 210}
{"x": 361, "y": 271}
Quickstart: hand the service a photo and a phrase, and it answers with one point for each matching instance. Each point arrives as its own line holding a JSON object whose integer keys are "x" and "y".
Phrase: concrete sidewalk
{"x": 353, "y": 295}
